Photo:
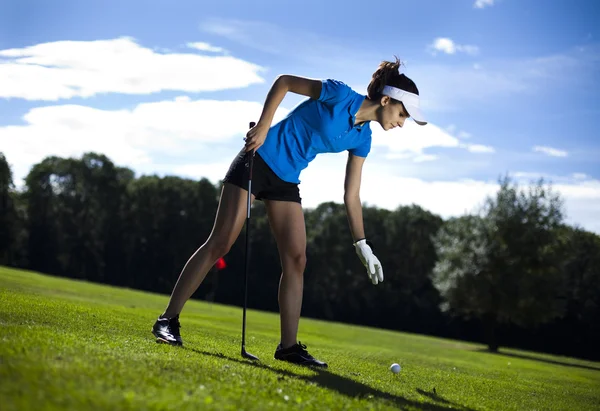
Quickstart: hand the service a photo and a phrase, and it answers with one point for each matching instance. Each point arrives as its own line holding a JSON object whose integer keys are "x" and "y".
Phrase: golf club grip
{"x": 250, "y": 155}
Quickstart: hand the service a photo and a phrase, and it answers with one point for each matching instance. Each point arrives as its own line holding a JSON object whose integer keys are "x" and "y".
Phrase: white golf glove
{"x": 371, "y": 263}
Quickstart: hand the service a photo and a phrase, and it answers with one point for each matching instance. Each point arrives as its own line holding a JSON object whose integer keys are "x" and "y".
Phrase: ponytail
{"x": 388, "y": 74}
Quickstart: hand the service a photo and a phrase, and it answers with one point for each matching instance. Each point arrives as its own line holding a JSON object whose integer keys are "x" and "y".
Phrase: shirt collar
{"x": 353, "y": 109}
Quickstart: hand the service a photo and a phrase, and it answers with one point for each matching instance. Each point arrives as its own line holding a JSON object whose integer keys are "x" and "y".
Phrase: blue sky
{"x": 168, "y": 88}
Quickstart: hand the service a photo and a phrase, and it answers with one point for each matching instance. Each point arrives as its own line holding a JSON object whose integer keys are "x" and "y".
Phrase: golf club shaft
{"x": 250, "y": 156}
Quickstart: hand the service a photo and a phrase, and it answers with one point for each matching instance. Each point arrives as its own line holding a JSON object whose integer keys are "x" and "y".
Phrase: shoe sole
{"x": 161, "y": 340}
{"x": 307, "y": 364}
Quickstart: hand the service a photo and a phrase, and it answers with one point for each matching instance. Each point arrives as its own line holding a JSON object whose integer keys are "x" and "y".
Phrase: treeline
{"x": 513, "y": 274}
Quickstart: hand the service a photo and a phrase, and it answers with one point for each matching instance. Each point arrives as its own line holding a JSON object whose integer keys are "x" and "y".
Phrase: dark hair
{"x": 387, "y": 74}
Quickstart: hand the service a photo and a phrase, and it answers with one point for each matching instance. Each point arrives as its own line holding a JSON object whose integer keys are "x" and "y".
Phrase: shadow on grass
{"x": 534, "y": 358}
{"x": 435, "y": 397}
{"x": 347, "y": 386}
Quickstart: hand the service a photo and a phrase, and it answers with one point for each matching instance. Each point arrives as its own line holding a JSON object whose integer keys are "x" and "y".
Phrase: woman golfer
{"x": 334, "y": 118}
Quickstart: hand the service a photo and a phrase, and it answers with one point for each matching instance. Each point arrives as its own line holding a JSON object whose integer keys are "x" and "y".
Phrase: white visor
{"x": 410, "y": 101}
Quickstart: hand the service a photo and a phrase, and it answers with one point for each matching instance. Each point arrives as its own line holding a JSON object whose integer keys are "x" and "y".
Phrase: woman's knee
{"x": 219, "y": 246}
{"x": 295, "y": 261}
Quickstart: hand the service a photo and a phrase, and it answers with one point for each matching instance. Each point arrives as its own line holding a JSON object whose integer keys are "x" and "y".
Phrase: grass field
{"x": 70, "y": 345}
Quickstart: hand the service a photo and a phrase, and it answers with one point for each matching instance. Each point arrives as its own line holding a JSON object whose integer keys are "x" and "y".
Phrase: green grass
{"x": 72, "y": 345}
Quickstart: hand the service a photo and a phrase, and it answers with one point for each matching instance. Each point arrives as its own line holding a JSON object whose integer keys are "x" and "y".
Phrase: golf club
{"x": 250, "y": 157}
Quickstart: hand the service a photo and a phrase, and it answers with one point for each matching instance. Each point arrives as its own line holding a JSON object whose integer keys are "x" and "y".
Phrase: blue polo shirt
{"x": 325, "y": 125}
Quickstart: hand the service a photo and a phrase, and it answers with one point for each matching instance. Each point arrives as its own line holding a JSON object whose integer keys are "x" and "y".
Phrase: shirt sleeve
{"x": 363, "y": 149}
{"x": 334, "y": 91}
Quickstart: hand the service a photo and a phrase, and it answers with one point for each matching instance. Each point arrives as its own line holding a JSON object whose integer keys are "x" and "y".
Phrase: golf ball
{"x": 395, "y": 368}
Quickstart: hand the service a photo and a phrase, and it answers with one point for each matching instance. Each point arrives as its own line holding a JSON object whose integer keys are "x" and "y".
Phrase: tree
{"x": 409, "y": 298}
{"x": 165, "y": 221}
{"x": 74, "y": 209}
{"x": 507, "y": 266}
{"x": 504, "y": 266}
{"x": 582, "y": 273}
{"x": 42, "y": 242}
{"x": 336, "y": 283}
{"x": 9, "y": 219}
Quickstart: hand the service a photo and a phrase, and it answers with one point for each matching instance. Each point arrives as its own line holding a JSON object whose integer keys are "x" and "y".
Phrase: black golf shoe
{"x": 297, "y": 354}
{"x": 166, "y": 330}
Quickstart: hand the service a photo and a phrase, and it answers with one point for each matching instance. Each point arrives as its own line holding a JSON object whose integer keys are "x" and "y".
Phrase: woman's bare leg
{"x": 287, "y": 224}
{"x": 229, "y": 221}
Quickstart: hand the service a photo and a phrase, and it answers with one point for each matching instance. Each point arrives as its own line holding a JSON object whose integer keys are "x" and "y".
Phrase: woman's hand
{"x": 256, "y": 136}
{"x": 371, "y": 263}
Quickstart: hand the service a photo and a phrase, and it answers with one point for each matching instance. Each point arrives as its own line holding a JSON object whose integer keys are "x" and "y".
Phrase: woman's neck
{"x": 366, "y": 112}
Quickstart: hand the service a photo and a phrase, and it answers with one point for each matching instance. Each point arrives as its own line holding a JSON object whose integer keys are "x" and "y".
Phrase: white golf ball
{"x": 395, "y": 368}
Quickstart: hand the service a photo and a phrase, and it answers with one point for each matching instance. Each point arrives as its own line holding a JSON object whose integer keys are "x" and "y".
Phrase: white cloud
{"x": 198, "y": 138}
{"x": 382, "y": 186}
{"x": 425, "y": 157}
{"x": 580, "y": 192}
{"x": 448, "y": 46}
{"x": 212, "y": 171}
{"x": 479, "y": 148}
{"x": 66, "y": 69}
{"x": 480, "y": 4}
{"x": 181, "y": 128}
{"x": 528, "y": 176}
{"x": 205, "y": 47}
{"x": 323, "y": 180}
{"x": 553, "y": 152}
{"x": 411, "y": 140}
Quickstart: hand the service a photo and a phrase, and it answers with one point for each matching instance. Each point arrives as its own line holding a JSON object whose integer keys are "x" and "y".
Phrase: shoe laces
{"x": 302, "y": 348}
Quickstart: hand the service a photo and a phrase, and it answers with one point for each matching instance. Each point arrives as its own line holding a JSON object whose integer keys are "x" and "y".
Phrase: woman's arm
{"x": 355, "y": 219}
{"x": 284, "y": 83}
{"x": 352, "y": 196}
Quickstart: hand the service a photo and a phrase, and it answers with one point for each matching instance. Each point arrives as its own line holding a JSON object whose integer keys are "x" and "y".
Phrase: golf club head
{"x": 248, "y": 355}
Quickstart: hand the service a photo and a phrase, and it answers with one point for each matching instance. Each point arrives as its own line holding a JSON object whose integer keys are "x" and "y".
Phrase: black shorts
{"x": 266, "y": 185}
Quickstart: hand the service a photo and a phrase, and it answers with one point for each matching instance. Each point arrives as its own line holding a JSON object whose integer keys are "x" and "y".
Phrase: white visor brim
{"x": 410, "y": 100}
